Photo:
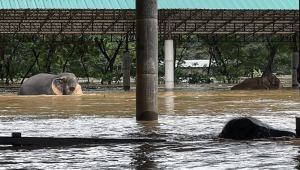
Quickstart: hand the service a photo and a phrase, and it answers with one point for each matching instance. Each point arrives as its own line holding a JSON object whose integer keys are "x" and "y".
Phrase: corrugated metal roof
{"x": 162, "y": 4}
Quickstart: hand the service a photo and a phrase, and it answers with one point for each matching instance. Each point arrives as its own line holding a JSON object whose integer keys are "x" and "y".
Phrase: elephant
{"x": 49, "y": 84}
{"x": 246, "y": 128}
{"x": 269, "y": 81}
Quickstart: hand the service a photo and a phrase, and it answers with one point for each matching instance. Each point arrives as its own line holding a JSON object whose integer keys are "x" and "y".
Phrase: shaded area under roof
{"x": 162, "y": 4}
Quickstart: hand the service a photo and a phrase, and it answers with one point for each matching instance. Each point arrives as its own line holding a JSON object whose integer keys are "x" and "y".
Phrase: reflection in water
{"x": 143, "y": 154}
{"x": 169, "y": 101}
{"x": 189, "y": 120}
{"x": 143, "y": 157}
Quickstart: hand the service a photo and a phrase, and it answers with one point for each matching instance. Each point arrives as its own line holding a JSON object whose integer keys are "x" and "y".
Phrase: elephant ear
{"x": 270, "y": 77}
{"x": 266, "y": 82}
{"x": 58, "y": 85}
{"x": 61, "y": 79}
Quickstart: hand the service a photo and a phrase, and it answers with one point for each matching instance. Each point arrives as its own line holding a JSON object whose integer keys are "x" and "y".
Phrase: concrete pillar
{"x": 126, "y": 71}
{"x": 295, "y": 63}
{"x": 146, "y": 60}
{"x": 169, "y": 65}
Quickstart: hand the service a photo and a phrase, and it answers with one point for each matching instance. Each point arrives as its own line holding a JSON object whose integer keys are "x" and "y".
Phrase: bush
{"x": 257, "y": 73}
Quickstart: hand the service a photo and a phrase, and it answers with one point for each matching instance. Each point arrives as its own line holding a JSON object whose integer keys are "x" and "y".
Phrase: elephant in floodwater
{"x": 49, "y": 84}
{"x": 269, "y": 81}
{"x": 246, "y": 128}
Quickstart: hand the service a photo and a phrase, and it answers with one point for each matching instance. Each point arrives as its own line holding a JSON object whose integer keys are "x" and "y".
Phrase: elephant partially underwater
{"x": 269, "y": 81}
{"x": 246, "y": 128}
{"x": 49, "y": 84}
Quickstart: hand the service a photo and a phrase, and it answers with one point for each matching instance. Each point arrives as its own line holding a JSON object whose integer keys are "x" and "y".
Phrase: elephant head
{"x": 66, "y": 84}
{"x": 272, "y": 81}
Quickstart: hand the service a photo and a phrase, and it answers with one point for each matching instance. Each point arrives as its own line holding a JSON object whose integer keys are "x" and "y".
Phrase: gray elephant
{"x": 246, "y": 128}
{"x": 49, "y": 84}
{"x": 269, "y": 81}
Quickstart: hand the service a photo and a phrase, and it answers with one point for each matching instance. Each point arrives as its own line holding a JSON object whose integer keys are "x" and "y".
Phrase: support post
{"x": 126, "y": 71}
{"x": 16, "y": 134}
{"x": 169, "y": 65}
{"x": 297, "y": 126}
{"x": 295, "y": 63}
{"x": 147, "y": 60}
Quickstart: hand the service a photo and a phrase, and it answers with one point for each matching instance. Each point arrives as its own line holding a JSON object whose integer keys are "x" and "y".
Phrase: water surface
{"x": 189, "y": 120}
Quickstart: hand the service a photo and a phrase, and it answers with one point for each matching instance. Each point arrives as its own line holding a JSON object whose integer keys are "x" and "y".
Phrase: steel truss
{"x": 199, "y": 22}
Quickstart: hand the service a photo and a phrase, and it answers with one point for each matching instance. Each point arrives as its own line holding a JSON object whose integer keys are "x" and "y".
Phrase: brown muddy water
{"x": 189, "y": 120}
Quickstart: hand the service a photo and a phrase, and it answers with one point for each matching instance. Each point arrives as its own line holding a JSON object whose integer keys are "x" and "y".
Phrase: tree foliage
{"x": 100, "y": 57}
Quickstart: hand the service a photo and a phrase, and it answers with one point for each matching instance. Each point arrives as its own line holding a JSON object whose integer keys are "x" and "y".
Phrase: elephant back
{"x": 37, "y": 84}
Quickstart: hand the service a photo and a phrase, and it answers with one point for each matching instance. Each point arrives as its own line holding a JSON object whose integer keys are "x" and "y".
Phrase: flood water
{"x": 190, "y": 120}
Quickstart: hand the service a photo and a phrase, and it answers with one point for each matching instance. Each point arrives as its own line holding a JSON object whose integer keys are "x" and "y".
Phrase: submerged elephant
{"x": 250, "y": 128}
{"x": 49, "y": 84}
{"x": 269, "y": 81}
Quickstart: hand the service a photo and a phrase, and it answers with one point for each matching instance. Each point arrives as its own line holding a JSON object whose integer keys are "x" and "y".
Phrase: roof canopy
{"x": 162, "y": 4}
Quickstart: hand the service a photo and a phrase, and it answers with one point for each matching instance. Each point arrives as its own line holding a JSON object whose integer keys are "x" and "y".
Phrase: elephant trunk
{"x": 280, "y": 133}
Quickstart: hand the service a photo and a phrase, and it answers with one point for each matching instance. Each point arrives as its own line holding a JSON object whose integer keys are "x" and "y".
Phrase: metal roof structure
{"x": 185, "y": 17}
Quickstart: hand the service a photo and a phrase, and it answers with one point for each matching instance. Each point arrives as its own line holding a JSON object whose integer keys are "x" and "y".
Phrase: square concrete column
{"x": 295, "y": 63}
{"x": 126, "y": 71}
{"x": 169, "y": 65}
{"x": 147, "y": 60}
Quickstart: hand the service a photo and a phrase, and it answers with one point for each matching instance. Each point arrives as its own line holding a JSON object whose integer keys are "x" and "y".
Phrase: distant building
{"x": 194, "y": 63}
{"x": 199, "y": 65}
{"x": 192, "y": 66}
